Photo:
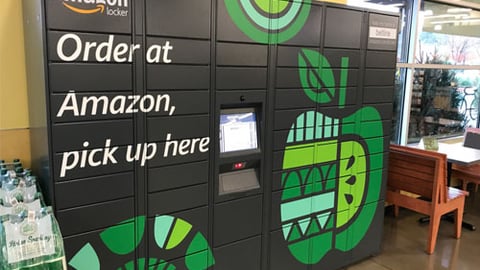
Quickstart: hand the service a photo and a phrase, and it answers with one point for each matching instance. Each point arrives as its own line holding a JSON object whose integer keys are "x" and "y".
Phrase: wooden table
{"x": 457, "y": 154}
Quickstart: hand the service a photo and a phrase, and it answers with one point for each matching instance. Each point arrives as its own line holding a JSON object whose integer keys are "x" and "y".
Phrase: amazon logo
{"x": 106, "y": 7}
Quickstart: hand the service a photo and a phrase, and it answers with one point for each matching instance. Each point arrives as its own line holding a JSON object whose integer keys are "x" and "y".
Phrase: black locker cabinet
{"x": 211, "y": 134}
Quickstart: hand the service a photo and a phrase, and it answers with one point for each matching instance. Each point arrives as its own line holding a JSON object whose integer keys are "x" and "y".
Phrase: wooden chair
{"x": 423, "y": 173}
{"x": 471, "y": 173}
{"x": 467, "y": 175}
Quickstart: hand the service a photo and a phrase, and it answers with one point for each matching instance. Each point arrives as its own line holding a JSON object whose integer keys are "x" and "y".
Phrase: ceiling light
{"x": 458, "y": 10}
{"x": 428, "y": 12}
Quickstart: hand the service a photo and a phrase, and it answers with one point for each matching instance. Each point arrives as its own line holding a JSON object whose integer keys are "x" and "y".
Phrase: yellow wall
{"x": 14, "y": 133}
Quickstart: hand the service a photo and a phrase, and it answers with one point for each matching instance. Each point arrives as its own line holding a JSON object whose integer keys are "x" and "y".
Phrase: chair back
{"x": 418, "y": 171}
{"x": 472, "y": 138}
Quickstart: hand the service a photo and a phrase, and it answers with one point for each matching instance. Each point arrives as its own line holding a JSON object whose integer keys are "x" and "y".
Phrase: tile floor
{"x": 404, "y": 242}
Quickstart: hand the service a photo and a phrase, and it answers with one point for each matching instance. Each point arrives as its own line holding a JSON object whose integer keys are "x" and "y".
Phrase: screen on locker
{"x": 238, "y": 130}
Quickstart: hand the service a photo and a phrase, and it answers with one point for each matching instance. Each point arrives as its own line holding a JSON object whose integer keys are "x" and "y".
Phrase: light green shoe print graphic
{"x": 169, "y": 233}
{"x": 269, "y": 21}
{"x": 327, "y": 168}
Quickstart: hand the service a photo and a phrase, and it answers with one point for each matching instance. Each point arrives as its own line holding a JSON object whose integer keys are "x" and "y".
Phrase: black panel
{"x": 292, "y": 98}
{"x": 231, "y": 54}
{"x": 285, "y": 119}
{"x": 198, "y": 218}
{"x": 383, "y": 32}
{"x": 179, "y": 18}
{"x": 104, "y": 164}
{"x": 177, "y": 176}
{"x": 99, "y": 189}
{"x": 371, "y": 243}
{"x": 234, "y": 97}
{"x": 177, "y": 200}
{"x": 335, "y": 56}
{"x": 333, "y": 259}
{"x": 175, "y": 64}
{"x": 276, "y": 180}
{"x": 379, "y": 59}
{"x": 98, "y": 106}
{"x": 277, "y": 163}
{"x": 177, "y": 77}
{"x": 226, "y": 28}
{"x": 61, "y": 17}
{"x": 172, "y": 154}
{"x": 343, "y": 28}
{"x": 352, "y": 79}
{"x": 351, "y": 96}
{"x": 190, "y": 102}
{"x": 288, "y": 56}
{"x": 385, "y": 173}
{"x": 378, "y": 94}
{"x": 280, "y": 139}
{"x": 385, "y": 110}
{"x": 178, "y": 263}
{"x": 101, "y": 47}
{"x": 180, "y": 127}
{"x": 241, "y": 78}
{"x": 275, "y": 220}
{"x": 183, "y": 51}
{"x": 290, "y": 77}
{"x": 73, "y": 244}
{"x": 240, "y": 255}
{"x": 379, "y": 77}
{"x": 237, "y": 220}
{"x": 69, "y": 137}
{"x": 89, "y": 77}
{"x": 283, "y": 259}
{"x": 309, "y": 34}
{"x": 95, "y": 216}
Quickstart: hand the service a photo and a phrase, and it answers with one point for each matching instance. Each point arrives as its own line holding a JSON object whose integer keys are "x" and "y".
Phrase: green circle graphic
{"x": 261, "y": 19}
{"x": 169, "y": 232}
{"x": 277, "y": 6}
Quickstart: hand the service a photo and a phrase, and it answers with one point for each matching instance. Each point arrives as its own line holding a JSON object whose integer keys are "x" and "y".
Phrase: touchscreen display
{"x": 238, "y": 130}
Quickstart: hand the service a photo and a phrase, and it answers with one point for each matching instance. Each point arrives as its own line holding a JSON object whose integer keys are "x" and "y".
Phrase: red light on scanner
{"x": 239, "y": 165}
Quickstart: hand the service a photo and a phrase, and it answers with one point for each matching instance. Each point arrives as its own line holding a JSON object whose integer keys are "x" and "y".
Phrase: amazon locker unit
{"x": 211, "y": 134}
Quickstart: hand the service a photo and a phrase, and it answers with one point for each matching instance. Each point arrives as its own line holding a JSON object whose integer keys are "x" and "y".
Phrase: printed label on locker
{"x": 383, "y": 32}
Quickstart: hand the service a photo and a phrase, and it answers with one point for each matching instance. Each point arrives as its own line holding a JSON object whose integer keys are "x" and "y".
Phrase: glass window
{"x": 469, "y": 1}
{"x": 443, "y": 102}
{"x": 399, "y": 93}
{"x": 405, "y": 30}
{"x": 449, "y": 35}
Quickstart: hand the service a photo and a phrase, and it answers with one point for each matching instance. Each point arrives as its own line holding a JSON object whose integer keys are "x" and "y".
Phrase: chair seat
{"x": 454, "y": 193}
{"x": 474, "y": 170}
{"x": 467, "y": 174}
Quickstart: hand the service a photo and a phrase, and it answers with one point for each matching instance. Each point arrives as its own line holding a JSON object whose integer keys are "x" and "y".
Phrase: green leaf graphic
{"x": 199, "y": 255}
{"x": 316, "y": 76}
{"x": 180, "y": 231}
{"x": 85, "y": 259}
{"x": 122, "y": 238}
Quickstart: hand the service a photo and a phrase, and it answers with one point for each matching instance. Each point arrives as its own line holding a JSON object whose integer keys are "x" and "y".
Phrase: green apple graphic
{"x": 327, "y": 168}
{"x": 124, "y": 238}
